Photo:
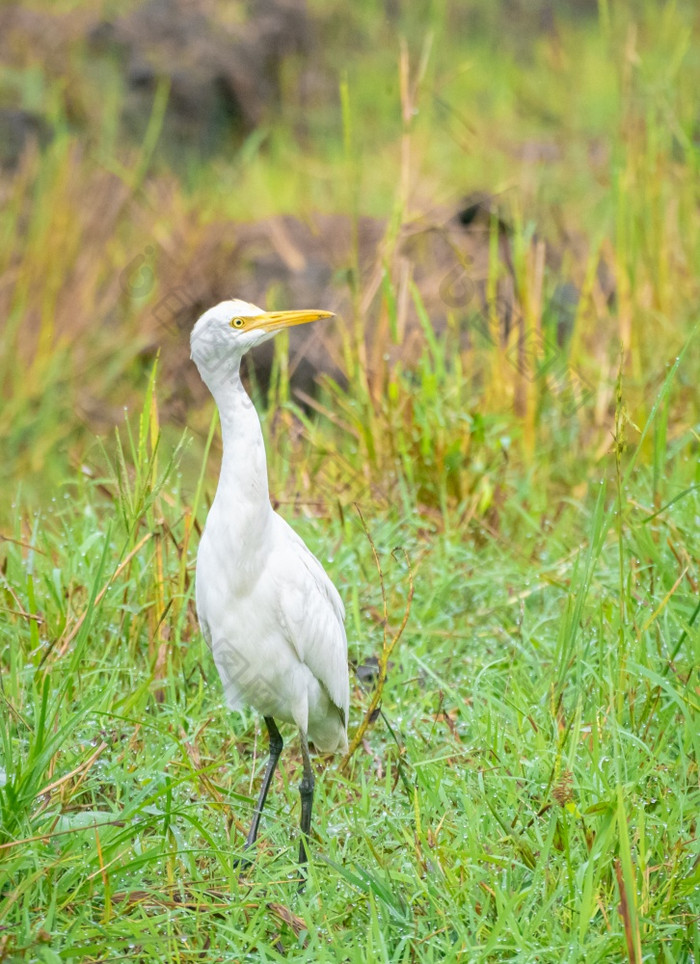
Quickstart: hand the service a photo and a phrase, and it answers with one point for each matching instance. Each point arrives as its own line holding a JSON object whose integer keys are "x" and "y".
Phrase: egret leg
{"x": 276, "y": 745}
{"x": 306, "y": 792}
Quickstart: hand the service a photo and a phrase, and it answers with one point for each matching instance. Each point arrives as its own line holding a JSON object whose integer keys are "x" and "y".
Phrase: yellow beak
{"x": 277, "y": 320}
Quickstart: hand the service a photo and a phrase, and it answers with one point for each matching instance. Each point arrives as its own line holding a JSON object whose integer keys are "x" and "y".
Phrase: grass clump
{"x": 536, "y": 791}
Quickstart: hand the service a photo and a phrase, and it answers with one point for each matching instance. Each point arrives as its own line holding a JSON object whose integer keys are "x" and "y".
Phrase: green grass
{"x": 543, "y": 703}
{"x": 531, "y": 791}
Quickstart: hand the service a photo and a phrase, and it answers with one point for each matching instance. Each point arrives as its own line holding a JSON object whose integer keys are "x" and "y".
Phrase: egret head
{"x": 223, "y": 334}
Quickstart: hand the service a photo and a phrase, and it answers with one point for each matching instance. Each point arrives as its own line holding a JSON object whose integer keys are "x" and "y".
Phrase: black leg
{"x": 276, "y": 745}
{"x": 306, "y": 792}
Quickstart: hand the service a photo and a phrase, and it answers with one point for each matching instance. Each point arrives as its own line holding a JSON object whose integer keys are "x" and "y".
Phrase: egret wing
{"x": 312, "y": 614}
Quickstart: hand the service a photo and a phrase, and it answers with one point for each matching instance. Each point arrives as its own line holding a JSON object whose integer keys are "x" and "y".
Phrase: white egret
{"x": 268, "y": 611}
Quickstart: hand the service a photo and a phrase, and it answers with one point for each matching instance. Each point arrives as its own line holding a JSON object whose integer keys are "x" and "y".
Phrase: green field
{"x": 530, "y": 792}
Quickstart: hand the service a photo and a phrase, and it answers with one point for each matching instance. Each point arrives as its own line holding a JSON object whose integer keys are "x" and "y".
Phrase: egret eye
{"x": 237, "y": 323}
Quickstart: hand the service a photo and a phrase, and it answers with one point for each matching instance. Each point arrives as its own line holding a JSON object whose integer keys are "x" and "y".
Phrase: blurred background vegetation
{"x": 499, "y": 198}
{"x": 526, "y": 172}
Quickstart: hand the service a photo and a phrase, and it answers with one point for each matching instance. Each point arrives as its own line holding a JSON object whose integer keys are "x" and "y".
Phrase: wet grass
{"x": 534, "y": 794}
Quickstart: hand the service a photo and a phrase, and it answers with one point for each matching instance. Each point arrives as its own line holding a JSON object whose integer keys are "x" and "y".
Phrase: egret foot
{"x": 306, "y": 792}
{"x": 276, "y": 746}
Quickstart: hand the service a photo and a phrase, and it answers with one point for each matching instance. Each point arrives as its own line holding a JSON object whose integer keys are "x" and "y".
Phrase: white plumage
{"x": 267, "y": 609}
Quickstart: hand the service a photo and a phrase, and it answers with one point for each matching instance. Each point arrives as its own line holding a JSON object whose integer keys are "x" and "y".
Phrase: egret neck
{"x": 242, "y": 495}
